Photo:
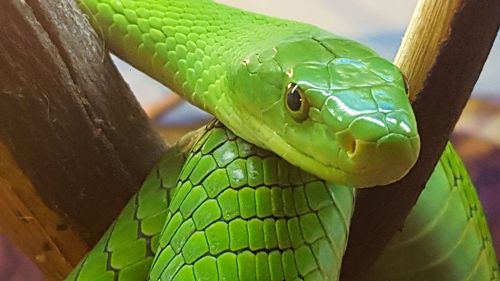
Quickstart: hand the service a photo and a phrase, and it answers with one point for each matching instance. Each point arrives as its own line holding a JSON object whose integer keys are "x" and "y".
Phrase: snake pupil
{"x": 294, "y": 98}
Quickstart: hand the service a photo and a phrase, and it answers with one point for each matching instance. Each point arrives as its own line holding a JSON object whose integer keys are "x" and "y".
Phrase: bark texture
{"x": 70, "y": 123}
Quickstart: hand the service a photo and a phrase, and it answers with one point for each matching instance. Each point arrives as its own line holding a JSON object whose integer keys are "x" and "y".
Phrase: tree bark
{"x": 70, "y": 123}
{"x": 37, "y": 230}
{"x": 442, "y": 54}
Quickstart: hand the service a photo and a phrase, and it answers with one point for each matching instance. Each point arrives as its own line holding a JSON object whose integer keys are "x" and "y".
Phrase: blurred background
{"x": 379, "y": 24}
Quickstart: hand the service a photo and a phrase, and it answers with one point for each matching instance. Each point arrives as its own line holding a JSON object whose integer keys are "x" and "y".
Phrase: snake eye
{"x": 296, "y": 102}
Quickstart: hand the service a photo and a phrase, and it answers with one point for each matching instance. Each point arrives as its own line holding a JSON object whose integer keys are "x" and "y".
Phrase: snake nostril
{"x": 346, "y": 142}
{"x": 352, "y": 147}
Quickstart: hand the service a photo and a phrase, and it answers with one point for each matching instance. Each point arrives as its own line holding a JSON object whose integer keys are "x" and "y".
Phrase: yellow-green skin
{"x": 358, "y": 129}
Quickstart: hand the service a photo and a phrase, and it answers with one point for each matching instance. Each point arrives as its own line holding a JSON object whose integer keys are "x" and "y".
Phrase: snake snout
{"x": 371, "y": 147}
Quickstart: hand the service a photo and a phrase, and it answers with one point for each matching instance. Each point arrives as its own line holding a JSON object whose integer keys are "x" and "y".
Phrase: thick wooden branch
{"x": 443, "y": 53}
{"x": 69, "y": 121}
{"x": 37, "y": 230}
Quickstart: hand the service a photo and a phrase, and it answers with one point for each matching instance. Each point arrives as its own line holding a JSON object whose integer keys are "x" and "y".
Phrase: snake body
{"x": 239, "y": 213}
{"x": 267, "y": 195}
{"x": 446, "y": 236}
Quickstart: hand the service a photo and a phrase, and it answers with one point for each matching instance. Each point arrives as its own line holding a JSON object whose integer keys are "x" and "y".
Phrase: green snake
{"x": 267, "y": 192}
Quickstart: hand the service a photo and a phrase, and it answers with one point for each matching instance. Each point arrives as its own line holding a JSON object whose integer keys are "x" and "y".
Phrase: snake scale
{"x": 268, "y": 190}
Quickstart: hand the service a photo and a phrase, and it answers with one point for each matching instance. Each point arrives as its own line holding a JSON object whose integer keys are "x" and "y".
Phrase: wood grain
{"x": 429, "y": 27}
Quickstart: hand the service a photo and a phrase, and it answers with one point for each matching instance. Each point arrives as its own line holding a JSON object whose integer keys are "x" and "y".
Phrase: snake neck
{"x": 187, "y": 45}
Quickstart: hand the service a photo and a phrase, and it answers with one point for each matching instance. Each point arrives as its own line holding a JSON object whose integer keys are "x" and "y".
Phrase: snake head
{"x": 328, "y": 105}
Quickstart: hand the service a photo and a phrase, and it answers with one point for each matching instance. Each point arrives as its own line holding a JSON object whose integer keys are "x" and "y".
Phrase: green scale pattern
{"x": 242, "y": 213}
{"x": 237, "y": 212}
{"x": 446, "y": 236}
{"x": 237, "y": 64}
{"x": 189, "y": 45}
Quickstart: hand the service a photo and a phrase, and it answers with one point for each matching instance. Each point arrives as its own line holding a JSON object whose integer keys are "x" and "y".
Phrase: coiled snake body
{"x": 267, "y": 193}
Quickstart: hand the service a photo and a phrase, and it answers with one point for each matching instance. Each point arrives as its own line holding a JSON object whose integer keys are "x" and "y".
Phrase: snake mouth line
{"x": 252, "y": 127}
{"x": 362, "y": 168}
{"x": 352, "y": 152}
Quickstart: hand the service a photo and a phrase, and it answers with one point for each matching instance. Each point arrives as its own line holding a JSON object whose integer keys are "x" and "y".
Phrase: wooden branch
{"x": 71, "y": 124}
{"x": 39, "y": 231}
{"x": 158, "y": 109}
{"x": 429, "y": 27}
{"x": 444, "y": 51}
